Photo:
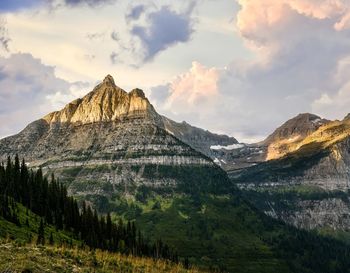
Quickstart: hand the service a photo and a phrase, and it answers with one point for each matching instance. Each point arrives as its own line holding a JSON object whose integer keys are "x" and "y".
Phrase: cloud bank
{"x": 301, "y": 64}
{"x": 29, "y": 89}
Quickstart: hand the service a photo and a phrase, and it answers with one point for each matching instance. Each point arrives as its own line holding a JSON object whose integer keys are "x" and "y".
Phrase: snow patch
{"x": 228, "y": 147}
{"x": 170, "y": 132}
{"x": 316, "y": 121}
{"x": 217, "y": 161}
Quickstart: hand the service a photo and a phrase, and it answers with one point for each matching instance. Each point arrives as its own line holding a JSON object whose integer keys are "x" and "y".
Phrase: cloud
{"x": 161, "y": 29}
{"x": 114, "y": 57}
{"x": 301, "y": 63}
{"x": 199, "y": 84}
{"x": 135, "y": 12}
{"x": 4, "y": 38}
{"x": 28, "y": 90}
{"x": 95, "y": 36}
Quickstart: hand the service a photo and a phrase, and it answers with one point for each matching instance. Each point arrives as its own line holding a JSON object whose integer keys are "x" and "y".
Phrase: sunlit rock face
{"x": 106, "y": 103}
{"x": 286, "y": 138}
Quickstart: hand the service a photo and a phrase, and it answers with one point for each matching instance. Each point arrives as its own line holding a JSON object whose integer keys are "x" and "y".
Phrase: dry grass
{"x": 14, "y": 258}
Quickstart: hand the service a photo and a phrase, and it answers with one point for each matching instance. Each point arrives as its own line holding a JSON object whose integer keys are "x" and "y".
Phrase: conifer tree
{"x": 41, "y": 234}
{"x": 51, "y": 240}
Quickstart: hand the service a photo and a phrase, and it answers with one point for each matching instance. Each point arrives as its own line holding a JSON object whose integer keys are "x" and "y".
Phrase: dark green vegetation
{"x": 49, "y": 200}
{"x": 226, "y": 233}
{"x": 204, "y": 218}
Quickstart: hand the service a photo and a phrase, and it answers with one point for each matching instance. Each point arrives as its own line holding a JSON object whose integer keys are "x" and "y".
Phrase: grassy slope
{"x": 19, "y": 252}
{"x": 28, "y": 233}
{"x": 60, "y": 259}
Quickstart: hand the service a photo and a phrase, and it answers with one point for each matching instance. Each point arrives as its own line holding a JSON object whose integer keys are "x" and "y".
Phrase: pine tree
{"x": 51, "y": 240}
{"x": 49, "y": 200}
{"x": 41, "y": 234}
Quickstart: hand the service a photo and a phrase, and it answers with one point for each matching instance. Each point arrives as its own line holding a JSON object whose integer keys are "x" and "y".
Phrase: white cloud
{"x": 29, "y": 90}
{"x": 302, "y": 51}
{"x": 200, "y": 83}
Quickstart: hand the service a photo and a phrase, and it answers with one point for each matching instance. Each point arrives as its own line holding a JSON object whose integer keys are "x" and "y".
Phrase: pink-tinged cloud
{"x": 197, "y": 84}
{"x": 302, "y": 64}
{"x": 265, "y": 24}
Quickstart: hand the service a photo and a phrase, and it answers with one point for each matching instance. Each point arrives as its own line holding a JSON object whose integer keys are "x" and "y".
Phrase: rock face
{"x": 106, "y": 103}
{"x": 199, "y": 139}
{"x": 307, "y": 183}
{"x": 109, "y": 138}
{"x": 284, "y": 138}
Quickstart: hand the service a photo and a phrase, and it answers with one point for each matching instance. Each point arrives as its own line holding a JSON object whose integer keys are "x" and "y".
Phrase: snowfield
{"x": 229, "y": 147}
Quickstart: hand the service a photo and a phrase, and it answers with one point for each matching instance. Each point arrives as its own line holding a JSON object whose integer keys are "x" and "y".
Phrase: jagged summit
{"x": 137, "y": 93}
{"x": 299, "y": 126}
{"x": 107, "y": 102}
{"x": 285, "y": 138}
{"x": 108, "y": 80}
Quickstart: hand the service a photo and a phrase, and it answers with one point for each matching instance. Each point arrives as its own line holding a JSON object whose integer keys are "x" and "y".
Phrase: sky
{"x": 236, "y": 67}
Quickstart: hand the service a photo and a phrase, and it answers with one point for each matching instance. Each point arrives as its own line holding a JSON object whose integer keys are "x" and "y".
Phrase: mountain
{"x": 306, "y": 181}
{"x": 110, "y": 126}
{"x": 282, "y": 141}
{"x": 115, "y": 152}
{"x": 106, "y": 138}
{"x": 286, "y": 138}
{"x": 199, "y": 139}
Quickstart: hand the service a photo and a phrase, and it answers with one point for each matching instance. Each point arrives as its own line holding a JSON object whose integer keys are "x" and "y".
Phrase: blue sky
{"x": 235, "y": 67}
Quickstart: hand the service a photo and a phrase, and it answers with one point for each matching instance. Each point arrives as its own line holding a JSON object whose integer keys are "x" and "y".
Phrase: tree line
{"x": 48, "y": 198}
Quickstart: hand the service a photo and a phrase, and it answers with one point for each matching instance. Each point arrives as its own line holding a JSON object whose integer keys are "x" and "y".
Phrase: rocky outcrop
{"x": 106, "y": 103}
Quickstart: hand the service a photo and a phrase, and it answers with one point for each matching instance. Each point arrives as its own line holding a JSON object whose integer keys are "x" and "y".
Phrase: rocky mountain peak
{"x": 107, "y": 102}
{"x": 137, "y": 93}
{"x": 285, "y": 138}
{"x": 108, "y": 80}
{"x": 297, "y": 127}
